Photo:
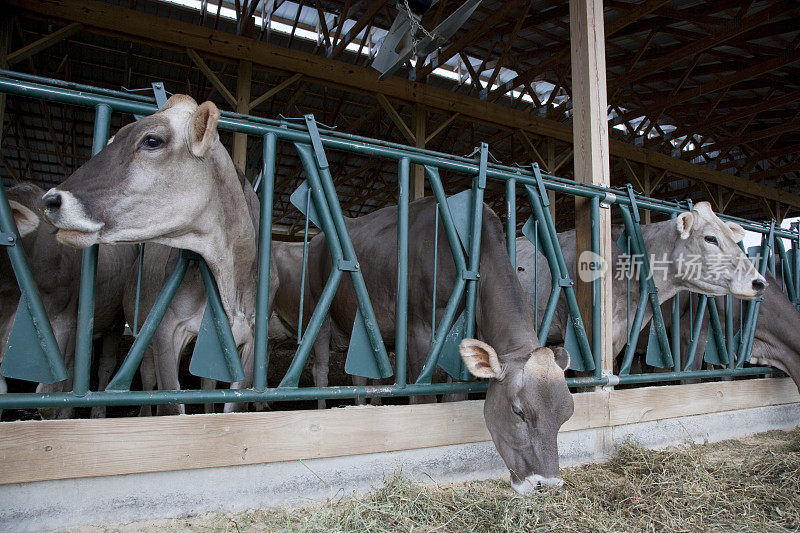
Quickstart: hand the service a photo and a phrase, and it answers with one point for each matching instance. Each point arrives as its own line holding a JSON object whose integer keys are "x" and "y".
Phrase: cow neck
{"x": 504, "y": 320}
{"x": 231, "y": 251}
{"x": 777, "y": 332}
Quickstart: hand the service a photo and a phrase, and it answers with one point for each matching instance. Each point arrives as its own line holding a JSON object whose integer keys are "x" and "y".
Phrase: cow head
{"x": 526, "y": 404}
{"x": 151, "y": 183}
{"x": 707, "y": 259}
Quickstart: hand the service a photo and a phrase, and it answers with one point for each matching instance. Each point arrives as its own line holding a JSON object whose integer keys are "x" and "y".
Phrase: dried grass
{"x": 749, "y": 485}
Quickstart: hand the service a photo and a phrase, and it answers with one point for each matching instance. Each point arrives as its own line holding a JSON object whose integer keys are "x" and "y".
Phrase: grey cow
{"x": 56, "y": 269}
{"x": 168, "y": 180}
{"x": 528, "y": 399}
{"x": 777, "y": 336}
{"x": 719, "y": 267}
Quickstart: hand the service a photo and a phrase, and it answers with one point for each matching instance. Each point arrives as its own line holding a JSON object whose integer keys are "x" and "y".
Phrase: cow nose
{"x": 759, "y": 285}
{"x": 51, "y": 201}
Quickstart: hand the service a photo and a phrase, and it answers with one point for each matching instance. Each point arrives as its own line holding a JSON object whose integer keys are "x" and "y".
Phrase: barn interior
{"x": 703, "y": 96}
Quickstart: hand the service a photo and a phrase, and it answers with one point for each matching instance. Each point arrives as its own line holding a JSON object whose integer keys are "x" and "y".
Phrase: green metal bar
{"x": 435, "y": 182}
{"x": 221, "y": 323}
{"x": 475, "y": 240}
{"x": 435, "y": 270}
{"x": 122, "y": 380}
{"x": 786, "y": 271}
{"x": 140, "y": 264}
{"x": 304, "y": 265}
{"x": 29, "y": 291}
{"x": 729, "y": 334}
{"x": 555, "y": 272}
{"x": 85, "y": 328}
{"x": 749, "y": 332}
{"x": 563, "y": 279}
{"x": 26, "y": 401}
{"x": 263, "y": 307}
{"x": 401, "y": 303}
{"x": 292, "y": 377}
{"x": 675, "y": 332}
{"x": 356, "y": 277}
{"x": 511, "y": 222}
{"x": 597, "y": 293}
{"x": 716, "y": 328}
{"x": 702, "y": 303}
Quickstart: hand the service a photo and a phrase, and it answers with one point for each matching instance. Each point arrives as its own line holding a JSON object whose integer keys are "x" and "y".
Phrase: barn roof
{"x": 713, "y": 83}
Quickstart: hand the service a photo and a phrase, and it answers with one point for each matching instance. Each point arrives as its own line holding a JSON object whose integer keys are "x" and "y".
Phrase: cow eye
{"x": 151, "y": 142}
{"x": 518, "y": 412}
{"x": 711, "y": 239}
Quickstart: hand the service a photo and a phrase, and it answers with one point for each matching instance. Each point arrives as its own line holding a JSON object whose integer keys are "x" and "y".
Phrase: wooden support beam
{"x": 243, "y": 81}
{"x": 272, "y": 92}
{"x": 43, "y": 44}
{"x": 40, "y": 450}
{"x": 209, "y": 74}
{"x": 440, "y": 128}
{"x": 366, "y": 18}
{"x": 419, "y": 116}
{"x": 590, "y": 123}
{"x": 5, "y": 43}
{"x": 155, "y": 30}
{"x": 396, "y": 118}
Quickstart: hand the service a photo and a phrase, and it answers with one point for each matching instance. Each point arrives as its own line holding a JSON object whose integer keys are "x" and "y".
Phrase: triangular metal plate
{"x": 299, "y": 199}
{"x": 208, "y": 357}
{"x": 460, "y": 206}
{"x": 24, "y": 357}
{"x": 360, "y": 359}
{"x": 573, "y": 348}
{"x": 450, "y": 358}
{"x": 653, "y": 357}
{"x": 712, "y": 355}
{"x": 530, "y": 233}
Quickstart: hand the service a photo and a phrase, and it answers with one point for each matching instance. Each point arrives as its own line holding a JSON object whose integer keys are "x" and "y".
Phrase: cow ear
{"x": 481, "y": 359}
{"x": 562, "y": 358}
{"x": 203, "y": 128}
{"x": 684, "y": 222}
{"x": 27, "y": 221}
{"x": 737, "y": 230}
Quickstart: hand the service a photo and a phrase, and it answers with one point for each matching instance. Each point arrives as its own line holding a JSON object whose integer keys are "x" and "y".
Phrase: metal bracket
{"x": 316, "y": 141}
{"x": 634, "y": 205}
{"x": 610, "y": 198}
{"x": 160, "y": 93}
{"x": 347, "y": 266}
{"x": 8, "y": 239}
{"x": 483, "y": 164}
{"x": 611, "y": 380}
{"x": 470, "y": 275}
{"x": 565, "y": 282}
{"x": 540, "y": 184}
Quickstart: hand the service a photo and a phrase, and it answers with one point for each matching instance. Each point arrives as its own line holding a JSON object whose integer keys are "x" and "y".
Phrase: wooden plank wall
{"x": 61, "y": 449}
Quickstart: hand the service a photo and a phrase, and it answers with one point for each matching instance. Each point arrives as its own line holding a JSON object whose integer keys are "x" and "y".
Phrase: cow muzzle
{"x": 536, "y": 483}
{"x": 66, "y": 212}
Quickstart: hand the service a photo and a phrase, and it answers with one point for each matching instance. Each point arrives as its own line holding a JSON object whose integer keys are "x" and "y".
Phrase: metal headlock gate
{"x": 34, "y": 355}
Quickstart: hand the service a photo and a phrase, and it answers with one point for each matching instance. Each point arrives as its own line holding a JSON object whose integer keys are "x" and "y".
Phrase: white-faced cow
{"x": 56, "y": 269}
{"x": 528, "y": 399}
{"x": 168, "y": 180}
{"x": 695, "y": 251}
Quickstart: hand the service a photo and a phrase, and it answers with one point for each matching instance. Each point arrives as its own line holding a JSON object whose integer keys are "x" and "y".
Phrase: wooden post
{"x": 550, "y": 146}
{"x": 418, "y": 179}
{"x": 242, "y": 106}
{"x": 648, "y": 190}
{"x": 590, "y": 138}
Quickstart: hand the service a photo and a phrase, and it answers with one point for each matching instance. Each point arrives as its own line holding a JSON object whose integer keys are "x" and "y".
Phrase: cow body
{"x": 528, "y": 399}
{"x": 57, "y": 269}
{"x": 663, "y": 240}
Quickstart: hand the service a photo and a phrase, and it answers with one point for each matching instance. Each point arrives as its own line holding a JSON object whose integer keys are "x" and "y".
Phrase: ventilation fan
{"x": 403, "y": 39}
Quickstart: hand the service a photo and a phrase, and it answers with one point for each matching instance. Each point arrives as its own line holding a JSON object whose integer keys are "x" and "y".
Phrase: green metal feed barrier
{"x": 32, "y": 353}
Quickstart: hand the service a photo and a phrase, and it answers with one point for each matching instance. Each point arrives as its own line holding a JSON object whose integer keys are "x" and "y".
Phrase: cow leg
{"x": 322, "y": 358}
{"x": 106, "y": 362}
{"x": 419, "y": 343}
{"x": 247, "y": 357}
{"x": 65, "y": 338}
{"x": 208, "y": 384}
{"x": 147, "y": 372}
{"x": 166, "y": 355}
